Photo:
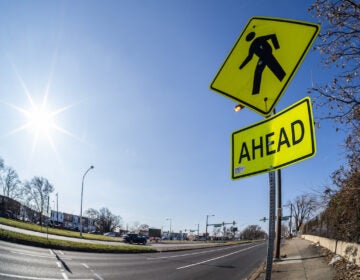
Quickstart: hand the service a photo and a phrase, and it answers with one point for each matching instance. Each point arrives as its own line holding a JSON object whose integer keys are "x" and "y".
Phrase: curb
{"x": 257, "y": 272}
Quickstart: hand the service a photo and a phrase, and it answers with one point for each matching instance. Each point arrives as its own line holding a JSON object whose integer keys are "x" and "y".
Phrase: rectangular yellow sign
{"x": 278, "y": 141}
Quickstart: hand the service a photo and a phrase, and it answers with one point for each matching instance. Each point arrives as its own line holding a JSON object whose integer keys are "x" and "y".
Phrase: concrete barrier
{"x": 350, "y": 251}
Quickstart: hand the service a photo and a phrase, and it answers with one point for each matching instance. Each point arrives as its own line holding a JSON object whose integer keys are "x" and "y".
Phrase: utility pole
{"x": 207, "y": 222}
{"x": 290, "y": 224}
{"x": 57, "y": 208}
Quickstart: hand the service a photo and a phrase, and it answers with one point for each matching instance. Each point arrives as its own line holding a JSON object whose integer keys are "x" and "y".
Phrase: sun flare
{"x": 40, "y": 120}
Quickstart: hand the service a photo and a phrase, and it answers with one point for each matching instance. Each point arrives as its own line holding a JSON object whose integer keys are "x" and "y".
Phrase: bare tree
{"x": 135, "y": 226}
{"x": 11, "y": 183}
{"x": 107, "y": 221}
{"x": 303, "y": 207}
{"x": 253, "y": 232}
{"x": 38, "y": 191}
{"x": 339, "y": 46}
{"x": 92, "y": 213}
{"x": 144, "y": 227}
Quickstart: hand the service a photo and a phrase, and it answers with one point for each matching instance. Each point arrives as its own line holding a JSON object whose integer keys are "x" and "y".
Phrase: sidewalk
{"x": 303, "y": 261}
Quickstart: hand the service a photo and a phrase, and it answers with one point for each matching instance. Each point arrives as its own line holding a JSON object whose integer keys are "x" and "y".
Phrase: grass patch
{"x": 70, "y": 245}
{"x": 56, "y": 231}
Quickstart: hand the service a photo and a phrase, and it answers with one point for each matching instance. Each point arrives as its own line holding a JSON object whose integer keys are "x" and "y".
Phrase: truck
{"x": 154, "y": 234}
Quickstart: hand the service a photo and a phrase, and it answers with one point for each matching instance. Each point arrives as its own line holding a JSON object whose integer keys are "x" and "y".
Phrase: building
{"x": 72, "y": 222}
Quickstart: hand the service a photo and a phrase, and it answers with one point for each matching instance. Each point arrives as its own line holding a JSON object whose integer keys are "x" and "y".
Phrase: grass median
{"x": 70, "y": 245}
{"x": 55, "y": 231}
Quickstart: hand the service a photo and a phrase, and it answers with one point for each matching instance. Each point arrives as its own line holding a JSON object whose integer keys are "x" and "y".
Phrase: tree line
{"x": 35, "y": 194}
{"x": 334, "y": 210}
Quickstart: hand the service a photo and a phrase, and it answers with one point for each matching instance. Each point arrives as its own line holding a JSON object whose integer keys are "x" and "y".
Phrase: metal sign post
{"x": 270, "y": 251}
{"x": 285, "y": 138}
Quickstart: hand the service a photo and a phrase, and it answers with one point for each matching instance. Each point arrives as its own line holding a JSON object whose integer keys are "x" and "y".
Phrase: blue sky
{"x": 132, "y": 78}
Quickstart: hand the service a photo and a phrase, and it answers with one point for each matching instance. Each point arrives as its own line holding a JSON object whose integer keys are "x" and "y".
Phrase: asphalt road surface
{"x": 230, "y": 262}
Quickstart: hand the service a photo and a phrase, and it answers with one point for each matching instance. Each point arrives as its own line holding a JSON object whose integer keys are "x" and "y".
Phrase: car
{"x": 95, "y": 232}
{"x": 5, "y": 214}
{"x": 135, "y": 238}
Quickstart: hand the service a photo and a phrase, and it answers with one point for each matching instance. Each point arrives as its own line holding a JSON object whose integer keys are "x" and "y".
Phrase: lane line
{"x": 51, "y": 252}
{"x": 58, "y": 264}
{"x": 190, "y": 254}
{"x": 220, "y": 257}
{"x": 38, "y": 278}
{"x": 92, "y": 271}
{"x": 64, "y": 276}
{"x": 98, "y": 276}
{"x": 85, "y": 265}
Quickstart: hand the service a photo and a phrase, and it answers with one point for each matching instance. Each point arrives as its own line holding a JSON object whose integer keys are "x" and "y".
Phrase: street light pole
{"x": 169, "y": 219}
{"x": 82, "y": 190}
{"x": 207, "y": 220}
{"x": 57, "y": 208}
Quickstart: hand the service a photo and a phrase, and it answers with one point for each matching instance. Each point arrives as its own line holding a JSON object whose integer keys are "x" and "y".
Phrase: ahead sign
{"x": 281, "y": 140}
{"x": 263, "y": 61}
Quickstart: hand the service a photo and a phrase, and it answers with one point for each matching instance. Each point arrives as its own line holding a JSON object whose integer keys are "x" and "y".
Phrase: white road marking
{"x": 51, "y": 252}
{"x": 220, "y": 257}
{"x": 86, "y": 266}
{"x": 37, "y": 255}
{"x": 92, "y": 271}
{"x": 36, "y": 278}
{"x": 98, "y": 276}
{"x": 58, "y": 264}
{"x": 189, "y": 254}
{"x": 64, "y": 276}
{"x": 26, "y": 277}
{"x": 33, "y": 255}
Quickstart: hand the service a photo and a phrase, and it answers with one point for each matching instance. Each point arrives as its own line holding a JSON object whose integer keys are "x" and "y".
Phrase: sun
{"x": 39, "y": 119}
{"x": 41, "y": 122}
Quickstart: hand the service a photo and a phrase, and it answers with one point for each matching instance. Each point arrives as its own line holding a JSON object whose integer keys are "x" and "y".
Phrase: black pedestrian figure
{"x": 263, "y": 50}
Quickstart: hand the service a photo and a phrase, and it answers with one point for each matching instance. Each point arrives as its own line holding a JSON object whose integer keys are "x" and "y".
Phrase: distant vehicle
{"x": 112, "y": 234}
{"x": 5, "y": 214}
{"x": 154, "y": 234}
{"x": 95, "y": 232}
{"x": 135, "y": 238}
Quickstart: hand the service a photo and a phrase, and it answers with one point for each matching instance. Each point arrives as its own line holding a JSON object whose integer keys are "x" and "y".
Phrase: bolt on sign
{"x": 281, "y": 140}
{"x": 263, "y": 61}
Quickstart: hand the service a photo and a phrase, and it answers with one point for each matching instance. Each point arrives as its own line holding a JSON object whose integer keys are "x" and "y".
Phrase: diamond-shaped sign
{"x": 263, "y": 61}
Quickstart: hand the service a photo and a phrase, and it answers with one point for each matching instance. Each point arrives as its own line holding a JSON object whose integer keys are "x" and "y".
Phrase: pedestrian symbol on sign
{"x": 263, "y": 51}
{"x": 263, "y": 60}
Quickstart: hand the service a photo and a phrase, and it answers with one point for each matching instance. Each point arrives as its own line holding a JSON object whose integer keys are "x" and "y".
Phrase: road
{"x": 230, "y": 262}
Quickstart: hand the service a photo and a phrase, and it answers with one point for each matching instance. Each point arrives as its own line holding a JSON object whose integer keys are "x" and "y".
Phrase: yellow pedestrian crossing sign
{"x": 263, "y": 61}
